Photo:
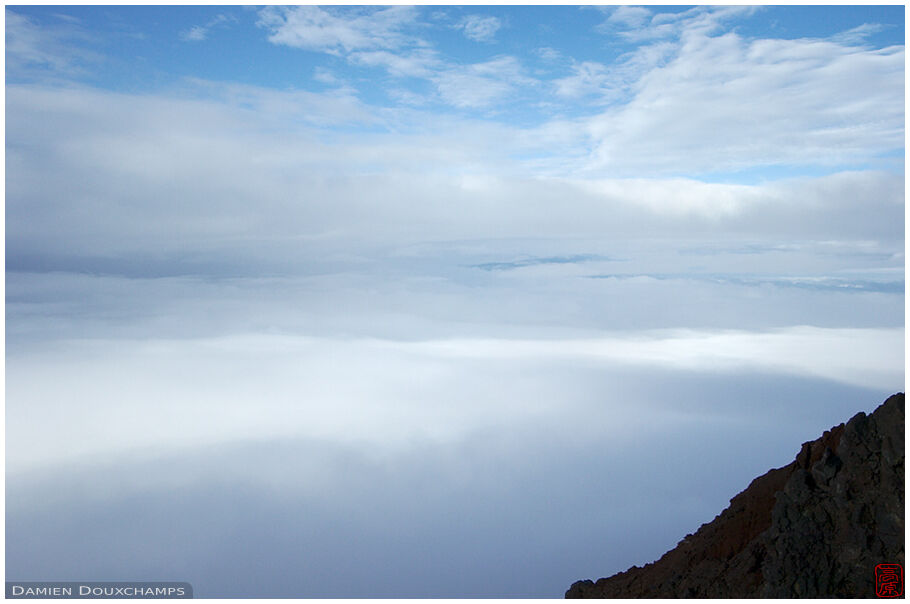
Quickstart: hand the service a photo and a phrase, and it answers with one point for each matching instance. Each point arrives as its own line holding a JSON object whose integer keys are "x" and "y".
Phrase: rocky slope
{"x": 814, "y": 528}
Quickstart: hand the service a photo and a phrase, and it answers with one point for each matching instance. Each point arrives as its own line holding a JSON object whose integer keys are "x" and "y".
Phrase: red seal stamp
{"x": 889, "y": 580}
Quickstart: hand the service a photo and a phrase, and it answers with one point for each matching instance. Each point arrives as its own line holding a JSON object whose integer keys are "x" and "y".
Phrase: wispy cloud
{"x": 481, "y": 84}
{"x": 197, "y": 33}
{"x": 588, "y": 77}
{"x": 629, "y": 22}
{"x": 766, "y": 100}
{"x": 47, "y": 51}
{"x": 725, "y": 102}
{"x": 378, "y": 38}
{"x": 629, "y": 16}
{"x": 326, "y": 76}
{"x": 549, "y": 54}
{"x": 338, "y": 30}
{"x": 617, "y": 81}
{"x": 480, "y": 28}
{"x": 417, "y": 63}
{"x": 858, "y": 34}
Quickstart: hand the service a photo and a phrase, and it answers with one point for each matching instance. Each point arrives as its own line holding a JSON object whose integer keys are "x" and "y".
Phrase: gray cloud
{"x": 509, "y": 265}
{"x": 814, "y": 283}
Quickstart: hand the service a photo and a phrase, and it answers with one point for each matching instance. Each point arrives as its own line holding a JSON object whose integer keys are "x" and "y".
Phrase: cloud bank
{"x": 439, "y": 295}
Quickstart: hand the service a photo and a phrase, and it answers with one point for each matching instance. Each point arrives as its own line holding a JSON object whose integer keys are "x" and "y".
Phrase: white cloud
{"x": 588, "y": 78}
{"x": 407, "y": 97}
{"x": 681, "y": 197}
{"x": 114, "y": 397}
{"x": 376, "y": 38}
{"x": 630, "y": 23}
{"x": 338, "y": 30}
{"x": 862, "y": 357}
{"x": 197, "y": 33}
{"x": 326, "y": 76}
{"x": 629, "y": 16}
{"x": 418, "y": 63}
{"x": 858, "y": 34}
{"x": 838, "y": 204}
{"x": 725, "y": 103}
{"x": 285, "y": 190}
{"x": 467, "y": 90}
{"x": 355, "y": 505}
{"x": 481, "y": 84}
{"x": 609, "y": 83}
{"x": 549, "y": 54}
{"x": 225, "y": 264}
{"x": 34, "y": 49}
{"x": 480, "y": 28}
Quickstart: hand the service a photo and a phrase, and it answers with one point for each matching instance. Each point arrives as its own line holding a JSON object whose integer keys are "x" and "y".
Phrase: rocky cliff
{"x": 814, "y": 528}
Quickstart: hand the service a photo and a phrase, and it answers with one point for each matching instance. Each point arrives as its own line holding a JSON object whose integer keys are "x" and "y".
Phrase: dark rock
{"x": 815, "y": 528}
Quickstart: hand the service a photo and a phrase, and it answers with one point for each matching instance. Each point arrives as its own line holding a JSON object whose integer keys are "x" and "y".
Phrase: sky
{"x": 433, "y": 301}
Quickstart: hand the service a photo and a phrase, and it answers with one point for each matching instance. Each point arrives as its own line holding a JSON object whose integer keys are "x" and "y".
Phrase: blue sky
{"x": 531, "y": 67}
{"x": 433, "y": 301}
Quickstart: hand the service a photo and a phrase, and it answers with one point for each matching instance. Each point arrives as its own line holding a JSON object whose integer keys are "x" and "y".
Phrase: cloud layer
{"x": 291, "y": 189}
{"x": 426, "y": 301}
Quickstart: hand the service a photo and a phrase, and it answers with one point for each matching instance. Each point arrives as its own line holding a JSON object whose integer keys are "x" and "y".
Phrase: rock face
{"x": 815, "y": 528}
